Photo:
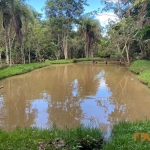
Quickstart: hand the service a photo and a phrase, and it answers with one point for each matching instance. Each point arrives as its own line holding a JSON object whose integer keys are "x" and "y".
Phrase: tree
{"x": 119, "y": 7}
{"x": 13, "y": 11}
{"x": 132, "y": 32}
{"x": 142, "y": 17}
{"x": 65, "y": 13}
{"x": 90, "y": 31}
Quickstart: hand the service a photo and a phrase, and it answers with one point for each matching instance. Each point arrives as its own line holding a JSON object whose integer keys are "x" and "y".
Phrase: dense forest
{"x": 68, "y": 33}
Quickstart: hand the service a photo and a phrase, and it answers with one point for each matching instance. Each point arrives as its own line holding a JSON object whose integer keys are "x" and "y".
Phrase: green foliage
{"x": 139, "y": 2}
{"x": 143, "y": 33}
{"x": 103, "y": 53}
{"x": 90, "y": 30}
{"x": 123, "y": 133}
{"x": 66, "y": 9}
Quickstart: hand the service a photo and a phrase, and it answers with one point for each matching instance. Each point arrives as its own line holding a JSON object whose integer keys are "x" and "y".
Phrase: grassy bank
{"x": 37, "y": 139}
{"x": 24, "y": 68}
{"x": 80, "y": 138}
{"x": 123, "y": 136}
{"x": 20, "y": 69}
{"x": 142, "y": 67}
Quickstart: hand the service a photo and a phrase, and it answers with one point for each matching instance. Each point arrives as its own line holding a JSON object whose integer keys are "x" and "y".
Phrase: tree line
{"x": 69, "y": 33}
{"x": 129, "y": 38}
{"x": 65, "y": 33}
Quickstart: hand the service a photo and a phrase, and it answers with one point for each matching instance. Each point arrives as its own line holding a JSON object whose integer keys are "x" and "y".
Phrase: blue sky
{"x": 93, "y": 5}
{"x": 39, "y": 4}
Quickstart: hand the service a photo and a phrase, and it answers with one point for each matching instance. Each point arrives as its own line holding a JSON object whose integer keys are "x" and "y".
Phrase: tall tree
{"x": 65, "y": 12}
{"x": 90, "y": 30}
{"x": 12, "y": 13}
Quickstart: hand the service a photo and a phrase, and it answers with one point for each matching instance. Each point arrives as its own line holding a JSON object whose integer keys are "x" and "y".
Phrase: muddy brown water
{"x": 73, "y": 94}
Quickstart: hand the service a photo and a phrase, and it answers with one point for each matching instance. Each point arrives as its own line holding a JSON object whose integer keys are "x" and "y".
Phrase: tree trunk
{"x": 10, "y": 48}
{"x": 88, "y": 46}
{"x": 7, "y": 45}
{"x": 66, "y": 47}
{"x": 85, "y": 45}
{"x": 10, "y": 60}
{"x": 29, "y": 57}
{"x": 0, "y": 58}
{"x": 127, "y": 53}
{"x": 85, "y": 49}
{"x": 22, "y": 54}
{"x": 59, "y": 48}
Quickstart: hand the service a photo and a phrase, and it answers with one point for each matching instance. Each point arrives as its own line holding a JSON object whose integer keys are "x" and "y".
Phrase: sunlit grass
{"x": 123, "y": 136}
{"x": 61, "y": 61}
{"x": 142, "y": 67}
{"x": 17, "y": 69}
{"x": 30, "y": 138}
{"x": 145, "y": 76}
{"x": 79, "y": 138}
{"x": 139, "y": 66}
{"x": 20, "y": 69}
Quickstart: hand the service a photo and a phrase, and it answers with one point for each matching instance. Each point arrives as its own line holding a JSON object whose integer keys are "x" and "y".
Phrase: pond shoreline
{"x": 19, "y": 69}
{"x": 80, "y": 138}
{"x": 142, "y": 69}
{"x": 122, "y": 133}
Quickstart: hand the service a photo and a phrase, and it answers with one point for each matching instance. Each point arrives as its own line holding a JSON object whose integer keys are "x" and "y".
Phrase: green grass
{"x": 139, "y": 66}
{"x": 80, "y": 138}
{"x": 145, "y": 77}
{"x": 20, "y": 69}
{"x": 123, "y": 136}
{"x": 24, "y": 68}
{"x": 142, "y": 67}
{"x": 30, "y": 138}
{"x": 90, "y": 59}
{"x": 61, "y": 61}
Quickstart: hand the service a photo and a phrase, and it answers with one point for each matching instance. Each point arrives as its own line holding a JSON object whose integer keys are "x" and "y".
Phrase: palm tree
{"x": 12, "y": 13}
{"x": 90, "y": 30}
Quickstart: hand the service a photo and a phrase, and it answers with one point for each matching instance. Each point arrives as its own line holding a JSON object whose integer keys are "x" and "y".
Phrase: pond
{"x": 73, "y": 94}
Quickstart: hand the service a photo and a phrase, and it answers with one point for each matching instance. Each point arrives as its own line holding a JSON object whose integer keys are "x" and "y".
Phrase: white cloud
{"x": 104, "y": 18}
{"x": 113, "y": 1}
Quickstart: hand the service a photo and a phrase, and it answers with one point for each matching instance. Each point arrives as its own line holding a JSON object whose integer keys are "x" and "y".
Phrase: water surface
{"x": 69, "y": 95}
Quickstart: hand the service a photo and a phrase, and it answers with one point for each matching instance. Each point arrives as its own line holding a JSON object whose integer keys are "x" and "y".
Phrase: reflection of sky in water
{"x": 42, "y": 116}
{"x": 95, "y": 108}
{"x": 101, "y": 74}
{"x": 41, "y": 105}
{"x": 70, "y": 98}
{"x": 75, "y": 87}
{"x": 1, "y": 102}
{"x": 98, "y": 107}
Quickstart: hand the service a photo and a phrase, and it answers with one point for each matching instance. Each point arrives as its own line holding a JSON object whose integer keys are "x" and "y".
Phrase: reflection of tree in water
{"x": 67, "y": 86}
{"x": 66, "y": 113}
{"x": 64, "y": 108}
{"x": 129, "y": 96}
{"x": 69, "y": 91}
{"x": 15, "y": 110}
{"x": 87, "y": 81}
